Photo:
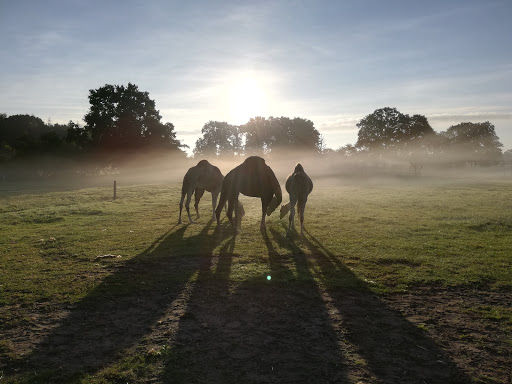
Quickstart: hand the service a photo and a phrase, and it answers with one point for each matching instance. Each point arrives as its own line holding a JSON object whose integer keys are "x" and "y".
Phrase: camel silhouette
{"x": 299, "y": 186}
{"x": 251, "y": 178}
{"x": 201, "y": 177}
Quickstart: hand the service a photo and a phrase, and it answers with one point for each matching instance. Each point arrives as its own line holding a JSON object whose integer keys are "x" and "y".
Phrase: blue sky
{"x": 332, "y": 62}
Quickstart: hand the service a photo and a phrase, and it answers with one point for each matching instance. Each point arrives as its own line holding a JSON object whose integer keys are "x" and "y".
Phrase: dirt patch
{"x": 464, "y": 323}
{"x": 206, "y": 329}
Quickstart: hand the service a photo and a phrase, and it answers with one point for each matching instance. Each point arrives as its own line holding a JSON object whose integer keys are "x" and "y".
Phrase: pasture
{"x": 403, "y": 281}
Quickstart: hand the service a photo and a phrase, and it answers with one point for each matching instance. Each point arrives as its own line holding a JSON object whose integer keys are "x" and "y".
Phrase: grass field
{"x": 400, "y": 281}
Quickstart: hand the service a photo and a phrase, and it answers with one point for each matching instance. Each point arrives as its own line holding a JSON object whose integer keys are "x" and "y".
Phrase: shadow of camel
{"x": 255, "y": 330}
{"x": 394, "y": 350}
{"x": 124, "y": 307}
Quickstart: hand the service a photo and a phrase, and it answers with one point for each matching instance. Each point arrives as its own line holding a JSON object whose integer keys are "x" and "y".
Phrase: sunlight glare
{"x": 247, "y": 100}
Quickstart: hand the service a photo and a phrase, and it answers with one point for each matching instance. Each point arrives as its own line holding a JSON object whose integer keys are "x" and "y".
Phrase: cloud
{"x": 472, "y": 116}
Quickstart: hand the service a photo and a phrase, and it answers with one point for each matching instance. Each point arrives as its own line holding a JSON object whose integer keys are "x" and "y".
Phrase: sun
{"x": 247, "y": 100}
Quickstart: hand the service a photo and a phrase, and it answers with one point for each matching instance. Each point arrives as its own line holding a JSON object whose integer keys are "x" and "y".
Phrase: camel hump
{"x": 203, "y": 163}
{"x": 298, "y": 168}
{"x": 254, "y": 161}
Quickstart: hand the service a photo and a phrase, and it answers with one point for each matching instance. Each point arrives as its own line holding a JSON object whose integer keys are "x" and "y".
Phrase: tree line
{"x": 122, "y": 119}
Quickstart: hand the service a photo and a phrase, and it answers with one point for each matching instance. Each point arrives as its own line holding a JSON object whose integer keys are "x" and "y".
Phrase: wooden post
{"x": 115, "y": 190}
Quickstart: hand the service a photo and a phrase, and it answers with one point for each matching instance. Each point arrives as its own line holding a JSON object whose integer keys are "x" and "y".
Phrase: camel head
{"x": 284, "y": 210}
{"x": 273, "y": 205}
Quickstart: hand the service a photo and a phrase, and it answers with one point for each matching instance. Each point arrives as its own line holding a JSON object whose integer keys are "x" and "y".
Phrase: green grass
{"x": 385, "y": 238}
{"x": 395, "y": 236}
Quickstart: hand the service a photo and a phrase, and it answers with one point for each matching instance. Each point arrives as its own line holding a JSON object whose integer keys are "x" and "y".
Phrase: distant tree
{"x": 7, "y": 152}
{"x": 507, "y": 158}
{"x": 472, "y": 142}
{"x": 295, "y": 133}
{"x": 387, "y": 129}
{"x": 162, "y": 136}
{"x": 3, "y": 118}
{"x": 22, "y": 132}
{"x": 219, "y": 139}
{"x": 263, "y": 135}
{"x": 348, "y": 150}
{"x": 507, "y": 155}
{"x": 78, "y": 136}
{"x": 50, "y": 142}
{"x": 125, "y": 118}
{"x": 258, "y": 135}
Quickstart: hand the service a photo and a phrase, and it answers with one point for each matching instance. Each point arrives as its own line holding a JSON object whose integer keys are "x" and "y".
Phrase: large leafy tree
{"x": 258, "y": 136}
{"x": 123, "y": 117}
{"x": 219, "y": 139}
{"x": 27, "y": 134}
{"x": 387, "y": 129}
{"x": 295, "y": 133}
{"x": 263, "y": 135}
{"x": 472, "y": 142}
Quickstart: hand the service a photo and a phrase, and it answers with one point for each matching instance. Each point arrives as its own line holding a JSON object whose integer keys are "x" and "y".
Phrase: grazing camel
{"x": 298, "y": 186}
{"x": 202, "y": 177}
{"x": 251, "y": 178}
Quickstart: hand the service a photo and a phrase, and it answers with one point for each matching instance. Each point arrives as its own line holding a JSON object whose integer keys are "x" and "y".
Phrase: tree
{"x": 258, "y": 136}
{"x": 507, "y": 156}
{"x": 347, "y": 150}
{"x": 387, "y": 129}
{"x": 162, "y": 136}
{"x": 125, "y": 118}
{"x": 472, "y": 142}
{"x": 23, "y": 133}
{"x": 295, "y": 133}
{"x": 263, "y": 135}
{"x": 50, "y": 142}
{"x": 77, "y": 135}
{"x": 219, "y": 139}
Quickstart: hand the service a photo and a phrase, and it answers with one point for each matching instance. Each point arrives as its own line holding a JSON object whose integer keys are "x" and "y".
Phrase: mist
{"x": 328, "y": 169}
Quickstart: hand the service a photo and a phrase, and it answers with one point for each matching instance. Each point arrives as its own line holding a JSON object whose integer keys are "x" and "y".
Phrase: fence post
{"x": 115, "y": 189}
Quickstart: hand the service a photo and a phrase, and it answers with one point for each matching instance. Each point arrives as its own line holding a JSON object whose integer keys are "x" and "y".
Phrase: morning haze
{"x": 397, "y": 270}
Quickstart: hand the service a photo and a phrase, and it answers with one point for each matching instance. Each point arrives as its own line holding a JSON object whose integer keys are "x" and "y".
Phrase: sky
{"x": 332, "y": 62}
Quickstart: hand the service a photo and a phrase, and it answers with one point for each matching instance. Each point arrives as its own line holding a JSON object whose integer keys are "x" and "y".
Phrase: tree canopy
{"x": 263, "y": 135}
{"x": 387, "y": 129}
{"x": 219, "y": 139}
{"x": 124, "y": 118}
{"x": 472, "y": 142}
{"x": 27, "y": 135}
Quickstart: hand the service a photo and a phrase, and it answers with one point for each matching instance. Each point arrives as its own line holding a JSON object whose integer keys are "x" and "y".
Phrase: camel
{"x": 252, "y": 178}
{"x": 202, "y": 177}
{"x": 298, "y": 186}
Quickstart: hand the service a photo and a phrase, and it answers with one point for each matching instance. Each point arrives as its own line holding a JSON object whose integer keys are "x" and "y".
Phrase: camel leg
{"x": 291, "y": 220}
{"x": 238, "y": 219}
{"x": 214, "y": 203}
{"x": 222, "y": 202}
{"x": 187, "y": 206}
{"x": 265, "y": 202}
{"x": 181, "y": 206}
{"x": 231, "y": 206}
{"x": 302, "y": 207}
{"x": 197, "y": 197}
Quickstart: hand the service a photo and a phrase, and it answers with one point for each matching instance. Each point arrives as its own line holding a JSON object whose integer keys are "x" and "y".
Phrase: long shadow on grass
{"x": 250, "y": 329}
{"x": 391, "y": 349}
{"x": 124, "y": 307}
